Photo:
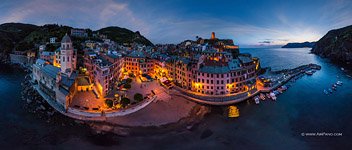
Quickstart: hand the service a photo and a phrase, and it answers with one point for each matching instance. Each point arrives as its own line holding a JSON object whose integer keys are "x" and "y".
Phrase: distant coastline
{"x": 300, "y": 45}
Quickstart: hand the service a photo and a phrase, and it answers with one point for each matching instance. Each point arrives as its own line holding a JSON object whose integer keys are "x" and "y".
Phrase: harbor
{"x": 274, "y": 83}
{"x": 270, "y": 83}
{"x": 290, "y": 115}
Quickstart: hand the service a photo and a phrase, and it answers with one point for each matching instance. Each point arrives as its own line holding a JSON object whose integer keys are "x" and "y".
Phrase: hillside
{"x": 299, "y": 45}
{"x": 19, "y": 36}
{"x": 123, "y": 35}
{"x": 12, "y": 35}
{"x": 336, "y": 45}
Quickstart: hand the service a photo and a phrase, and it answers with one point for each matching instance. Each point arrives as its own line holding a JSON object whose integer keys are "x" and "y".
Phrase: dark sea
{"x": 302, "y": 118}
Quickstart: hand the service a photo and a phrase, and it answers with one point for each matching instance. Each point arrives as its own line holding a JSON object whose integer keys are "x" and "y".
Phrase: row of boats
{"x": 333, "y": 87}
{"x": 271, "y": 95}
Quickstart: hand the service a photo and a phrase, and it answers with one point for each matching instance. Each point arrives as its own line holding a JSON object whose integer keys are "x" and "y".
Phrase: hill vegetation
{"x": 21, "y": 37}
{"x": 336, "y": 45}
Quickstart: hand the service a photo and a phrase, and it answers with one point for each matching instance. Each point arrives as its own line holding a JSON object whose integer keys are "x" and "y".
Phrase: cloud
{"x": 162, "y": 23}
{"x": 88, "y": 13}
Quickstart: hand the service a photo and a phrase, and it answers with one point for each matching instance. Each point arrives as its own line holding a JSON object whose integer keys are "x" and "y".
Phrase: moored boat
{"x": 273, "y": 96}
{"x": 256, "y": 100}
{"x": 339, "y": 83}
{"x": 309, "y": 72}
{"x": 262, "y": 96}
{"x": 326, "y": 92}
{"x": 234, "y": 112}
{"x": 284, "y": 87}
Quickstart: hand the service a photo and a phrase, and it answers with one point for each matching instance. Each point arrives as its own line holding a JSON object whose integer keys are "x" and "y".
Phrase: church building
{"x": 58, "y": 81}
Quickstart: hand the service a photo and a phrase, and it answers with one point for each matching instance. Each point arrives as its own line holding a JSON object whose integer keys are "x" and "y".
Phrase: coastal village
{"x": 111, "y": 82}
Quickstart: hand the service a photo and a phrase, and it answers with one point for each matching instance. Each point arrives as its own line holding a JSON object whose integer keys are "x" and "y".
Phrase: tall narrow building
{"x": 213, "y": 36}
{"x": 67, "y": 56}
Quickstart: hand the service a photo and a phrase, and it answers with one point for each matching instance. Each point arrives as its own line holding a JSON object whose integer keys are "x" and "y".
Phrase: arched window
{"x": 68, "y": 46}
{"x": 63, "y": 46}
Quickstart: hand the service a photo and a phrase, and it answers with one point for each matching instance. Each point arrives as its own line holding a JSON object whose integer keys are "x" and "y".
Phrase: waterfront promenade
{"x": 157, "y": 111}
{"x": 279, "y": 78}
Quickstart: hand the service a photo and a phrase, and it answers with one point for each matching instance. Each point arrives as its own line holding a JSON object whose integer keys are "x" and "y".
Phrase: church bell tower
{"x": 67, "y": 56}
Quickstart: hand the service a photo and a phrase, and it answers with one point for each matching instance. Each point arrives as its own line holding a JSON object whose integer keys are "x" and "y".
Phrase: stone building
{"x": 58, "y": 81}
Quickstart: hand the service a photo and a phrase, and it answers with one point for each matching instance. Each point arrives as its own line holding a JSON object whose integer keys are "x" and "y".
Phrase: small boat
{"x": 272, "y": 95}
{"x": 309, "y": 72}
{"x": 339, "y": 83}
{"x": 342, "y": 69}
{"x": 234, "y": 112}
{"x": 280, "y": 90}
{"x": 330, "y": 90}
{"x": 334, "y": 88}
{"x": 268, "y": 95}
{"x": 276, "y": 92}
{"x": 334, "y": 85}
{"x": 273, "y": 98}
{"x": 262, "y": 96}
{"x": 326, "y": 92}
{"x": 284, "y": 87}
{"x": 256, "y": 100}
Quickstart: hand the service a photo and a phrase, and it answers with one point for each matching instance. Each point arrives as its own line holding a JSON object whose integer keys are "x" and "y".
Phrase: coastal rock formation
{"x": 35, "y": 104}
{"x": 299, "y": 45}
{"x": 336, "y": 45}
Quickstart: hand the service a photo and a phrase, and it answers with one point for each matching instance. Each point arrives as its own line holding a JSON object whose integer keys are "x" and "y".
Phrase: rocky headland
{"x": 336, "y": 45}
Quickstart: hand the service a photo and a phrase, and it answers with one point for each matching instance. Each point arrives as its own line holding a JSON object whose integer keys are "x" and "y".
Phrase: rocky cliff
{"x": 336, "y": 45}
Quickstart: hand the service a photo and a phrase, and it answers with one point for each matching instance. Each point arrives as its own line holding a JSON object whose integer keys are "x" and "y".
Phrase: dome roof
{"x": 66, "y": 39}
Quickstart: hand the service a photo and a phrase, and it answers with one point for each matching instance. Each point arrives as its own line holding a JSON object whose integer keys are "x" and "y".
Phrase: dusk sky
{"x": 246, "y": 22}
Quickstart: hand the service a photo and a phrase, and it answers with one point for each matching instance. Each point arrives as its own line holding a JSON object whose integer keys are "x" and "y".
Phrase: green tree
{"x": 51, "y": 47}
{"x": 138, "y": 97}
{"x": 109, "y": 103}
{"x": 129, "y": 80}
{"x": 127, "y": 86}
{"x": 131, "y": 75}
{"x": 125, "y": 101}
